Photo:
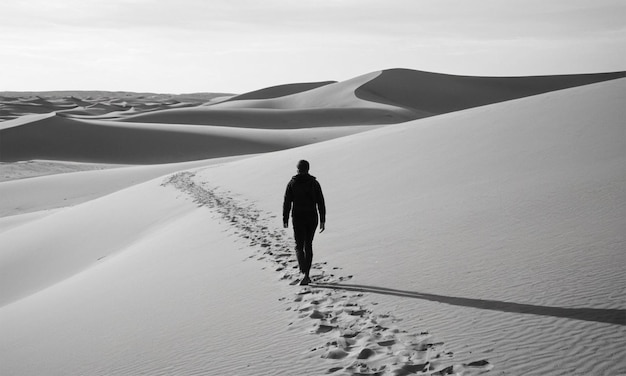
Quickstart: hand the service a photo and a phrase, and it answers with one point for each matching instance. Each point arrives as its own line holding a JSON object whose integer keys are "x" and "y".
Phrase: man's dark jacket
{"x": 305, "y": 192}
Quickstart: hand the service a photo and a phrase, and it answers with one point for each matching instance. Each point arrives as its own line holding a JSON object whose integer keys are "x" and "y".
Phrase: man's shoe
{"x": 305, "y": 281}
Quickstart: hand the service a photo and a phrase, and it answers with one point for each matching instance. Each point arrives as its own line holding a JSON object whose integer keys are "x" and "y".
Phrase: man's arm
{"x": 287, "y": 205}
{"x": 321, "y": 207}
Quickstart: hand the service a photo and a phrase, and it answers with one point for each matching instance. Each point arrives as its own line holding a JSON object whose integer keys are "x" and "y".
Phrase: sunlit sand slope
{"x": 500, "y": 228}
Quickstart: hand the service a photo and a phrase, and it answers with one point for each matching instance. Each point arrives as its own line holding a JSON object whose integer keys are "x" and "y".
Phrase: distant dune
{"x": 97, "y": 141}
{"x": 335, "y": 95}
{"x": 390, "y": 96}
{"x": 280, "y": 90}
{"x": 267, "y": 118}
{"x": 14, "y": 104}
{"x": 332, "y": 104}
{"x": 160, "y": 128}
{"x": 437, "y": 93}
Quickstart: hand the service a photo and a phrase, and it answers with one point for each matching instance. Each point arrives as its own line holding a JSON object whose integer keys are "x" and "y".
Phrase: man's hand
{"x": 285, "y": 224}
{"x": 322, "y": 227}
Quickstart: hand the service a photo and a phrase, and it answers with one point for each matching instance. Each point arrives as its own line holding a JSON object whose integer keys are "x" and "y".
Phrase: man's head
{"x": 303, "y": 167}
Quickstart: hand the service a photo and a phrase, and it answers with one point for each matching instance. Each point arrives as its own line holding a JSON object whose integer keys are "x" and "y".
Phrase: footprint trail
{"x": 355, "y": 339}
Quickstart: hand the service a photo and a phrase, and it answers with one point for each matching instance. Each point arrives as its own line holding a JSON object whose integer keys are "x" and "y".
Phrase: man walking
{"x": 304, "y": 198}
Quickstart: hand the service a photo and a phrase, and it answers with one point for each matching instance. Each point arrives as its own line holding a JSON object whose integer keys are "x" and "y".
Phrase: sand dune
{"x": 274, "y": 118}
{"x": 25, "y": 119}
{"x": 63, "y": 189}
{"x": 14, "y": 109}
{"x": 308, "y": 110}
{"x": 489, "y": 239}
{"x": 517, "y": 202}
{"x": 94, "y": 103}
{"x": 110, "y": 322}
{"x": 340, "y": 95}
{"x": 436, "y": 93}
{"x": 280, "y": 90}
{"x": 334, "y": 95}
{"x": 332, "y": 104}
{"x": 59, "y": 138}
{"x": 33, "y": 168}
{"x": 390, "y": 96}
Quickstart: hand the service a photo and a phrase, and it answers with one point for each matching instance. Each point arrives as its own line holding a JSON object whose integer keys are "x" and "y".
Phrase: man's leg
{"x": 300, "y": 235}
{"x": 311, "y": 226}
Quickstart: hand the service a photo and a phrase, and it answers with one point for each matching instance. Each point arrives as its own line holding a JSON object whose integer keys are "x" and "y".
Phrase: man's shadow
{"x": 610, "y": 316}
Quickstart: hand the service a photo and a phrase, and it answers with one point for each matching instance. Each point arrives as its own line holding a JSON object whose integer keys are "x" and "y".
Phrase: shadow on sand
{"x": 611, "y": 316}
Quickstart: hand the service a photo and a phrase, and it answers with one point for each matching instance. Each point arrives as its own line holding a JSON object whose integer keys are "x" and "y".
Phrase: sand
{"x": 34, "y": 168}
{"x": 437, "y": 94}
{"x": 57, "y": 189}
{"x": 333, "y": 104}
{"x": 280, "y": 90}
{"x": 114, "y": 142}
{"x": 485, "y": 240}
{"x": 109, "y": 104}
{"x": 493, "y": 212}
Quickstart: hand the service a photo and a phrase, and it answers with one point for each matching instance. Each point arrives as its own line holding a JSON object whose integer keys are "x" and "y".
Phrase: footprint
{"x": 324, "y": 328}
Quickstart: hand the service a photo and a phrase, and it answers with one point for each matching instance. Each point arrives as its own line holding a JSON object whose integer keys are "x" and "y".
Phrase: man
{"x": 304, "y": 199}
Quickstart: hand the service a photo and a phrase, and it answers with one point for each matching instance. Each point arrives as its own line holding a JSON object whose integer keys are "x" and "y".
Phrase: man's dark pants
{"x": 304, "y": 226}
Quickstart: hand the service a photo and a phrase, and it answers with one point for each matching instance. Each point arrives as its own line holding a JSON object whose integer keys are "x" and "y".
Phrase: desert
{"x": 475, "y": 226}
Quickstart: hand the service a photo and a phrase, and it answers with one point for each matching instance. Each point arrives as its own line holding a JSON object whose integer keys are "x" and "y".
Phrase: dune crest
{"x": 383, "y": 97}
{"x": 334, "y": 95}
{"x": 332, "y": 104}
{"x": 436, "y": 93}
{"x": 279, "y": 91}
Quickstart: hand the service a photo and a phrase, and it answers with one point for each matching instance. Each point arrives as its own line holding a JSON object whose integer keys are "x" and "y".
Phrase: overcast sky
{"x": 242, "y": 45}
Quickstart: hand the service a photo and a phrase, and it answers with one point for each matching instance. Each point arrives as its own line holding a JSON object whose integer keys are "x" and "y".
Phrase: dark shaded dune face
{"x": 280, "y": 91}
{"x": 66, "y": 139}
{"x": 436, "y": 93}
{"x": 274, "y": 118}
{"x": 97, "y": 141}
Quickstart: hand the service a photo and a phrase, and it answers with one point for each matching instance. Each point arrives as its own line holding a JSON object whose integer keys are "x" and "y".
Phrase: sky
{"x": 235, "y": 46}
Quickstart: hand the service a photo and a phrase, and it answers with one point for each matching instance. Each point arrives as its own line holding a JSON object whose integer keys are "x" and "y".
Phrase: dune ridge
{"x": 97, "y": 141}
{"x": 268, "y": 118}
{"x": 336, "y": 95}
{"x": 437, "y": 93}
{"x": 330, "y": 104}
{"x": 279, "y": 90}
{"x": 384, "y": 97}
